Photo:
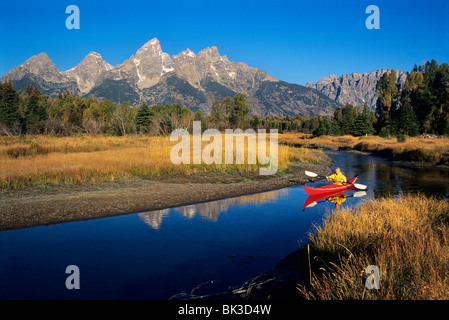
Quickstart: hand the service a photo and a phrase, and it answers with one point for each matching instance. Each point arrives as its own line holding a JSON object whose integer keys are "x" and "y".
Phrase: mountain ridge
{"x": 355, "y": 88}
{"x": 195, "y": 80}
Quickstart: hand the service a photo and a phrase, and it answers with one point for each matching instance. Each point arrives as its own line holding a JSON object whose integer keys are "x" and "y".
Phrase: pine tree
{"x": 345, "y": 117}
{"x": 239, "y": 110}
{"x": 34, "y": 107}
{"x": 408, "y": 121}
{"x": 9, "y": 104}
{"x": 364, "y": 123}
{"x": 325, "y": 127}
{"x": 427, "y": 92}
{"x": 143, "y": 118}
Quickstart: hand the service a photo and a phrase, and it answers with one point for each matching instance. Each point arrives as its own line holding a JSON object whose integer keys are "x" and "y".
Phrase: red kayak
{"x": 330, "y": 188}
{"x": 318, "y": 197}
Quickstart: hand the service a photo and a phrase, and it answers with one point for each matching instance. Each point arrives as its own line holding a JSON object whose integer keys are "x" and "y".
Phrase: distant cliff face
{"x": 354, "y": 88}
{"x": 41, "y": 71}
{"x": 88, "y": 71}
{"x": 192, "y": 80}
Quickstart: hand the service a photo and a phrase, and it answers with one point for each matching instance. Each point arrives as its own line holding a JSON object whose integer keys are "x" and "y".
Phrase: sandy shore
{"x": 51, "y": 205}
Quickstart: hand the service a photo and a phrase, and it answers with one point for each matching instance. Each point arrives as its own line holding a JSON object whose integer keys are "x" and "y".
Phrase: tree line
{"x": 32, "y": 112}
{"x": 421, "y": 105}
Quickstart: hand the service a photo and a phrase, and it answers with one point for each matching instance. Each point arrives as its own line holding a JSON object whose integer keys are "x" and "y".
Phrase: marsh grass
{"x": 45, "y": 160}
{"x": 407, "y": 238}
{"x": 435, "y": 151}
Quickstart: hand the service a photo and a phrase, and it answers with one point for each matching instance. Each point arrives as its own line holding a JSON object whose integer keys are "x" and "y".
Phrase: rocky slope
{"x": 88, "y": 71}
{"x": 192, "y": 80}
{"x": 41, "y": 71}
{"x": 354, "y": 88}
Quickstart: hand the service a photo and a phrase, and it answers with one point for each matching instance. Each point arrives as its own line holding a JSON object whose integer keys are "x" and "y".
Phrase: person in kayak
{"x": 338, "y": 177}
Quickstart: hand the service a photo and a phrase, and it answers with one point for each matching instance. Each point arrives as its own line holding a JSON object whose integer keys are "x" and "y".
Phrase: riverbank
{"x": 415, "y": 152}
{"x": 39, "y": 205}
{"x": 47, "y": 180}
{"x": 407, "y": 238}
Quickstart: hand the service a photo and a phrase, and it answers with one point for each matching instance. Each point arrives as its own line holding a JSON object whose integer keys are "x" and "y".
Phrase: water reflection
{"x": 121, "y": 257}
{"x": 336, "y": 198}
{"x": 392, "y": 180}
{"x": 154, "y": 218}
{"x": 386, "y": 179}
{"x": 211, "y": 210}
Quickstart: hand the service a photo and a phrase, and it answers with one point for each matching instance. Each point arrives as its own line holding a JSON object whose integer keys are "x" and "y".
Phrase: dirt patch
{"x": 45, "y": 205}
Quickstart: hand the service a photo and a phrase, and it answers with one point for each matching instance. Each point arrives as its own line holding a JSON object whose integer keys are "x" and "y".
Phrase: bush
{"x": 384, "y": 133}
{"x": 401, "y": 137}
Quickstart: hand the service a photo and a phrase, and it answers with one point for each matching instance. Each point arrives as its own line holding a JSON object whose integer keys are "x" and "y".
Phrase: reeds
{"x": 434, "y": 151}
{"x": 46, "y": 160}
{"x": 407, "y": 238}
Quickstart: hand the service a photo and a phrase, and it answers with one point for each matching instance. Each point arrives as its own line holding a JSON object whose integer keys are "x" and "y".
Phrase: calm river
{"x": 155, "y": 255}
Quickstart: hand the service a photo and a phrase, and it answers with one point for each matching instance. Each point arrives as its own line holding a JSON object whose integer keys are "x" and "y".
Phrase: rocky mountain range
{"x": 354, "y": 88}
{"x": 192, "y": 80}
{"x": 195, "y": 81}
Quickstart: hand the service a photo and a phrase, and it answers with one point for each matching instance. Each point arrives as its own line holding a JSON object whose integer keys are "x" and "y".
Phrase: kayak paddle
{"x": 313, "y": 175}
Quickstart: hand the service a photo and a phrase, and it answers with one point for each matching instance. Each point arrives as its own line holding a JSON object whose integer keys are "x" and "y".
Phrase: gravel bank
{"x": 52, "y": 205}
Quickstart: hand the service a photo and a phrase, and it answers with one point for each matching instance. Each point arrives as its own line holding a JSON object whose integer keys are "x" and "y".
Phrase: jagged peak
{"x": 152, "y": 42}
{"x": 41, "y": 61}
{"x": 152, "y": 48}
{"x": 94, "y": 54}
{"x": 188, "y": 53}
{"x": 40, "y": 57}
{"x": 210, "y": 51}
{"x": 92, "y": 57}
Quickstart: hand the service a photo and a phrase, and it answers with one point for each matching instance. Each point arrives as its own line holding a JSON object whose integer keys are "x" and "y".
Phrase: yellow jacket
{"x": 338, "y": 200}
{"x": 336, "y": 178}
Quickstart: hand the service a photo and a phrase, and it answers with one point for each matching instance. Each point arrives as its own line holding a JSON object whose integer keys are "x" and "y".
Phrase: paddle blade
{"x": 313, "y": 204}
{"x": 311, "y": 174}
{"x": 360, "y": 186}
{"x": 359, "y": 194}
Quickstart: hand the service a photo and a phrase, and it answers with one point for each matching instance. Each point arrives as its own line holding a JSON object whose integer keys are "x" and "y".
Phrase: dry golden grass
{"x": 407, "y": 238}
{"x": 42, "y": 160}
{"x": 414, "y": 148}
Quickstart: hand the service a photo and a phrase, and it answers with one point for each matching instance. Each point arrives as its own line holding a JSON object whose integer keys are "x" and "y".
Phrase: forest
{"x": 419, "y": 106}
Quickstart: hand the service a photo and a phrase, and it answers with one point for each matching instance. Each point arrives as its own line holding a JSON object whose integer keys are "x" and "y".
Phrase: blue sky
{"x": 295, "y": 41}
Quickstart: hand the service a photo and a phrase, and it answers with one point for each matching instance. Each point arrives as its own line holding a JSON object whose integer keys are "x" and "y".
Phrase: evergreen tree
{"x": 34, "y": 108}
{"x": 325, "y": 127}
{"x": 142, "y": 119}
{"x": 427, "y": 92}
{"x": 217, "y": 115}
{"x": 345, "y": 118}
{"x": 364, "y": 123}
{"x": 239, "y": 110}
{"x": 408, "y": 121}
{"x": 9, "y": 104}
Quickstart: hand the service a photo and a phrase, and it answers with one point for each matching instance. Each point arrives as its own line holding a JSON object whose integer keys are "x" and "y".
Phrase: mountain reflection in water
{"x": 211, "y": 210}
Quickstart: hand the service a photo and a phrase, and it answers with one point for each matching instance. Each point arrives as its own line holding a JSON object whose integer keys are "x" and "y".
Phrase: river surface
{"x": 213, "y": 245}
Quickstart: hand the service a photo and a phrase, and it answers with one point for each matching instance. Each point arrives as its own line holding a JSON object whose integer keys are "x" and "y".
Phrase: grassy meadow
{"x": 36, "y": 160}
{"x": 407, "y": 238}
{"x": 435, "y": 151}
